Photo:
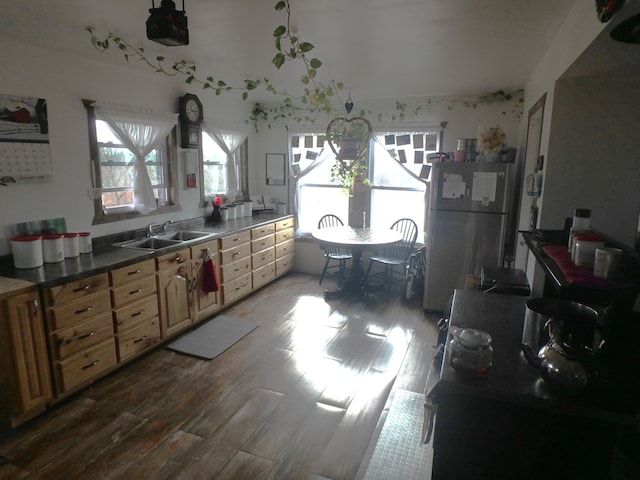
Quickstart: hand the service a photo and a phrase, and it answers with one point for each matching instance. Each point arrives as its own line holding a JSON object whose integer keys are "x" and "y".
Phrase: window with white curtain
{"x": 397, "y": 163}
{"x": 114, "y": 169}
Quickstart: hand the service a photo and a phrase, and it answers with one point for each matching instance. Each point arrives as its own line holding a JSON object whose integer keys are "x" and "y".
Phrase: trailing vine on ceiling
{"x": 318, "y": 101}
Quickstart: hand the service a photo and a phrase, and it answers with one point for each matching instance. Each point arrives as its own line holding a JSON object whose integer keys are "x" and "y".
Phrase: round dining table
{"x": 357, "y": 240}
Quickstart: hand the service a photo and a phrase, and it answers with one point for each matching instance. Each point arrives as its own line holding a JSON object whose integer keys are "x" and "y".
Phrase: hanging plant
{"x": 349, "y": 140}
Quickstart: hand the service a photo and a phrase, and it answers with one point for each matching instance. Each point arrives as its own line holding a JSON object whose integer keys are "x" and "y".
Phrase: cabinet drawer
{"x": 284, "y": 264}
{"x": 235, "y": 239}
{"x": 86, "y": 365}
{"x": 129, "y": 316}
{"x": 171, "y": 259}
{"x": 235, "y": 269}
{"x": 74, "y": 290}
{"x": 284, "y": 224}
{"x": 262, "y": 258}
{"x": 129, "y": 273}
{"x": 71, "y": 314}
{"x": 262, "y": 243}
{"x": 138, "y": 339}
{"x": 263, "y": 231}
{"x": 284, "y": 235}
{"x": 264, "y": 275}
{"x": 235, "y": 254}
{"x": 197, "y": 250}
{"x": 133, "y": 291}
{"x": 71, "y": 340}
{"x": 284, "y": 248}
{"x": 236, "y": 288}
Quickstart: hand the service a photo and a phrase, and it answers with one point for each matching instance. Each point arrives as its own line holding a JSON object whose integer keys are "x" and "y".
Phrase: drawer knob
{"x": 84, "y": 310}
{"x": 134, "y": 272}
{"x": 141, "y": 339}
{"x": 84, "y": 287}
{"x": 133, "y": 292}
{"x": 137, "y": 313}
{"x": 90, "y": 334}
{"x": 92, "y": 364}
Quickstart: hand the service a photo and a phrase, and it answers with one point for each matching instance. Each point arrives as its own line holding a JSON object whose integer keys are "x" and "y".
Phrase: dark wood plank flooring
{"x": 301, "y": 397}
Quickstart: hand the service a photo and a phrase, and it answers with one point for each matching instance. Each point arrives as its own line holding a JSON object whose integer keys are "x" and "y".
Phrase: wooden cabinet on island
{"x": 25, "y": 380}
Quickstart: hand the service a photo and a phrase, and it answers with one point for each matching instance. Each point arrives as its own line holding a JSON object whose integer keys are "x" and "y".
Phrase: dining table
{"x": 356, "y": 240}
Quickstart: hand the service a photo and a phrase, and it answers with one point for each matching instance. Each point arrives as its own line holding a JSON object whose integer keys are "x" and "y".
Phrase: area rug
{"x": 214, "y": 337}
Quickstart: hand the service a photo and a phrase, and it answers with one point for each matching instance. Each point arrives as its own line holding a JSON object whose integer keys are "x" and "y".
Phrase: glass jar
{"x": 471, "y": 351}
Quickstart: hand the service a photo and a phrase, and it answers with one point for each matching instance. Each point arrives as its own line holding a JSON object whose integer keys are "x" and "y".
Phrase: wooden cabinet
{"x": 25, "y": 382}
{"x": 263, "y": 255}
{"x": 135, "y": 308}
{"x": 80, "y": 332}
{"x": 235, "y": 266}
{"x": 284, "y": 246}
{"x": 206, "y": 303}
{"x": 175, "y": 292}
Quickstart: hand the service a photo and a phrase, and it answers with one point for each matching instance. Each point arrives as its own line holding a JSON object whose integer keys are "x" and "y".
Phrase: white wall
{"x": 64, "y": 81}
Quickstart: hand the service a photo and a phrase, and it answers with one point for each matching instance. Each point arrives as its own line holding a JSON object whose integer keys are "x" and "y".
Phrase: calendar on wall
{"x": 24, "y": 140}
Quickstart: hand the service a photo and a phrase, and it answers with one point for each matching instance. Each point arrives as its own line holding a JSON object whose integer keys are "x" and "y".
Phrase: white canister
{"x": 585, "y": 249}
{"x": 53, "y": 248}
{"x": 84, "y": 241}
{"x": 71, "y": 245}
{"x": 27, "y": 251}
{"x": 224, "y": 214}
{"x": 607, "y": 262}
{"x": 248, "y": 208}
{"x": 231, "y": 211}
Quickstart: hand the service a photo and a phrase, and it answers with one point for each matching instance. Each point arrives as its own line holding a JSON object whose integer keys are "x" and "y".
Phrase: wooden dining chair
{"x": 395, "y": 258}
{"x": 335, "y": 255}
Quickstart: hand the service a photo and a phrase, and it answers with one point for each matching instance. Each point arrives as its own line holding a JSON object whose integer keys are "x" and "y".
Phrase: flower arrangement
{"x": 491, "y": 139}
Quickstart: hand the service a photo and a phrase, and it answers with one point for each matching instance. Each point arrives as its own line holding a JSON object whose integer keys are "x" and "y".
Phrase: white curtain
{"x": 324, "y": 155}
{"x": 141, "y": 131}
{"x": 229, "y": 141}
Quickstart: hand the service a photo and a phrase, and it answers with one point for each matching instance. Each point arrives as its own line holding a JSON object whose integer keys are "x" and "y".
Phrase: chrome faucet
{"x": 165, "y": 225}
{"x": 149, "y": 229}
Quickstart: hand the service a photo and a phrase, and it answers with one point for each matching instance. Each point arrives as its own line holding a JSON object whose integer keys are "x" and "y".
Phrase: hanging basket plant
{"x": 349, "y": 140}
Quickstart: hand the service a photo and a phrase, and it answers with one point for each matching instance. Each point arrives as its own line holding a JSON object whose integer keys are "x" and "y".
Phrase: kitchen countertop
{"x": 106, "y": 257}
{"x": 511, "y": 379}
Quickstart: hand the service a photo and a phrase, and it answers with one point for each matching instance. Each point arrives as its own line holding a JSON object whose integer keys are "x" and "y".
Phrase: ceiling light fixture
{"x": 627, "y": 31}
{"x": 166, "y": 25}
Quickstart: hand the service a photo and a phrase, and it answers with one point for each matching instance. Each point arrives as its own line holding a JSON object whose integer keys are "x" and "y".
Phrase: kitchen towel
{"x": 209, "y": 276}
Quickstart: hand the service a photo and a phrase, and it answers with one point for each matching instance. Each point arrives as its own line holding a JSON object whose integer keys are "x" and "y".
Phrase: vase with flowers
{"x": 216, "y": 215}
{"x": 491, "y": 141}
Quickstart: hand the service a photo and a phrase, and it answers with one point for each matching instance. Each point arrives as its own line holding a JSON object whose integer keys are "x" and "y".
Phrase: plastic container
{"x": 27, "y": 251}
{"x": 53, "y": 248}
{"x": 224, "y": 214}
{"x": 581, "y": 219}
{"x": 248, "y": 208}
{"x": 585, "y": 249}
{"x": 607, "y": 262}
{"x": 231, "y": 211}
{"x": 84, "y": 241}
{"x": 71, "y": 245}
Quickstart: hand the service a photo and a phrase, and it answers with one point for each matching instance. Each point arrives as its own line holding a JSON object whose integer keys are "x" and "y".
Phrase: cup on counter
{"x": 53, "y": 248}
{"x": 585, "y": 249}
{"x": 84, "y": 241}
{"x": 607, "y": 263}
{"x": 71, "y": 245}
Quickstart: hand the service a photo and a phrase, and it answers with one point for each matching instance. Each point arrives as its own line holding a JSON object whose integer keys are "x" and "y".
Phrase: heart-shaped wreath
{"x": 349, "y": 139}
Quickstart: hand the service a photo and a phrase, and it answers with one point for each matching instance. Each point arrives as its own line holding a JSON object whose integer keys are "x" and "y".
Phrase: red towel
{"x": 209, "y": 276}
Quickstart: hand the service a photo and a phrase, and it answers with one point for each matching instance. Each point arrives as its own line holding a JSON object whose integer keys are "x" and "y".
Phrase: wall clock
{"x": 191, "y": 116}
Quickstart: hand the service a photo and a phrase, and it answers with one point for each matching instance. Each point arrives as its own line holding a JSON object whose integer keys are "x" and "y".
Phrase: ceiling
{"x": 378, "y": 49}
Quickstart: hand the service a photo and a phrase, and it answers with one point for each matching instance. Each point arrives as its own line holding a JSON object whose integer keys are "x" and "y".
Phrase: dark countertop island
{"x": 511, "y": 424}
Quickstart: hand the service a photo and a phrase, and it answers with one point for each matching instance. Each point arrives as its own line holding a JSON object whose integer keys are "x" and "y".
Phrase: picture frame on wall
{"x": 276, "y": 169}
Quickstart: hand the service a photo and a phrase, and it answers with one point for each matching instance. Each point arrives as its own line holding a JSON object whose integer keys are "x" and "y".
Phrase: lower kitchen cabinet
{"x": 206, "y": 302}
{"x": 25, "y": 383}
{"x": 175, "y": 292}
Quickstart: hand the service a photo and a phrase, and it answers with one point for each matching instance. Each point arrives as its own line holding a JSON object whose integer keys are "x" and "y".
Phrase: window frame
{"x": 242, "y": 166}
{"x": 171, "y": 153}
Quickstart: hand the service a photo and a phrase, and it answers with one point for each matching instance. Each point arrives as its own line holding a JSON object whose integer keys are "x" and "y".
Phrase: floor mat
{"x": 214, "y": 337}
{"x": 399, "y": 453}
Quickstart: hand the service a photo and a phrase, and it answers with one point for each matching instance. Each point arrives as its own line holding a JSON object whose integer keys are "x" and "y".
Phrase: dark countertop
{"x": 511, "y": 379}
{"x": 106, "y": 257}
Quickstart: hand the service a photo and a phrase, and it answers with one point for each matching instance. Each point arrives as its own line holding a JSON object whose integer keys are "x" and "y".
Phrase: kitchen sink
{"x": 160, "y": 242}
{"x": 184, "y": 235}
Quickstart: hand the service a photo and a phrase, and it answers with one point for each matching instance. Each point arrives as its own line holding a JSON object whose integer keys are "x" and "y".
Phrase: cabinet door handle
{"x": 92, "y": 364}
{"x": 133, "y": 292}
{"x": 84, "y": 287}
{"x": 134, "y": 272}
{"x": 35, "y": 305}
{"x": 137, "y": 313}
{"x": 138, "y": 340}
{"x": 178, "y": 258}
{"x": 90, "y": 334}
{"x": 84, "y": 310}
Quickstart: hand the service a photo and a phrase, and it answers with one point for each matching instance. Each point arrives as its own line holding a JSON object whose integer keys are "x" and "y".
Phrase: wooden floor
{"x": 301, "y": 397}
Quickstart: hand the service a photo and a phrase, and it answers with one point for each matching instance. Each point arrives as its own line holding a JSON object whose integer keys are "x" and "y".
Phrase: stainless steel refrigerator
{"x": 467, "y": 217}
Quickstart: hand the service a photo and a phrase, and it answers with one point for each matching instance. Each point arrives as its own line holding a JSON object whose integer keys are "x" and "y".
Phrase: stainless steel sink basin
{"x": 184, "y": 235}
{"x": 151, "y": 244}
{"x": 163, "y": 241}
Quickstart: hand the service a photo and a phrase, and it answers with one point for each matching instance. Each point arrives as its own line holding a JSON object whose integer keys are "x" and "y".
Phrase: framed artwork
{"x": 276, "y": 169}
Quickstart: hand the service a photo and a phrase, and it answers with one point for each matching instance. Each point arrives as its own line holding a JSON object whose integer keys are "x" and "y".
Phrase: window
{"x": 396, "y": 190}
{"x": 214, "y": 164}
{"x": 218, "y": 177}
{"x": 113, "y": 168}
